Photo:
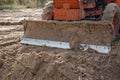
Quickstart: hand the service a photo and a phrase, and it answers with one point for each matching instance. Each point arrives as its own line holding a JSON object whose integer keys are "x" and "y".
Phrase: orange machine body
{"x": 116, "y": 1}
{"x": 73, "y": 10}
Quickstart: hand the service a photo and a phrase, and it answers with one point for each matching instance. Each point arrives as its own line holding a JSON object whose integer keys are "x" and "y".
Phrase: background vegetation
{"x": 21, "y": 3}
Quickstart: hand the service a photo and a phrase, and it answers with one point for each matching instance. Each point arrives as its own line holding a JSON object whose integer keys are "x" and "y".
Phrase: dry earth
{"x": 23, "y": 62}
{"x": 15, "y": 16}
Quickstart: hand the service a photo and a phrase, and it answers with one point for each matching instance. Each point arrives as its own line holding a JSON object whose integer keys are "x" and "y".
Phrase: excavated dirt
{"x": 23, "y": 62}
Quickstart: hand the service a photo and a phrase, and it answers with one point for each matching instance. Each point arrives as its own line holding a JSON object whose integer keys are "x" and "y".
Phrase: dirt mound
{"x": 41, "y": 63}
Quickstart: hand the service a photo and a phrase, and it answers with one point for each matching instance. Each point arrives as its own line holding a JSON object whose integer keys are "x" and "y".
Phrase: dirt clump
{"x": 1, "y": 62}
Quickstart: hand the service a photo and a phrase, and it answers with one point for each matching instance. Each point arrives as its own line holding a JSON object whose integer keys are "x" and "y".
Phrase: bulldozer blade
{"x": 66, "y": 35}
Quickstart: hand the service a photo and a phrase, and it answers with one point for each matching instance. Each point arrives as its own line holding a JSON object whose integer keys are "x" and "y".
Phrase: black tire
{"x": 112, "y": 14}
{"x": 47, "y": 11}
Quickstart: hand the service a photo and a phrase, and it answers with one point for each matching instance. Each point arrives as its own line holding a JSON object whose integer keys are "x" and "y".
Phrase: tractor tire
{"x": 47, "y": 11}
{"x": 112, "y": 14}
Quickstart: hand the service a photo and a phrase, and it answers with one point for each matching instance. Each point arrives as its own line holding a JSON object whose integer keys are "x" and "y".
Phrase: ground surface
{"x": 15, "y": 16}
{"x": 20, "y": 62}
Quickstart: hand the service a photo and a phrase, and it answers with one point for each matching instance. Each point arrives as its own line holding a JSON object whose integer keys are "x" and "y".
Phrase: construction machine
{"x": 75, "y": 24}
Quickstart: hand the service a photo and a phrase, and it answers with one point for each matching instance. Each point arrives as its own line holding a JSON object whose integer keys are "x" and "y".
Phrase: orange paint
{"x": 73, "y": 10}
{"x": 62, "y": 14}
{"x": 117, "y": 2}
{"x": 73, "y": 3}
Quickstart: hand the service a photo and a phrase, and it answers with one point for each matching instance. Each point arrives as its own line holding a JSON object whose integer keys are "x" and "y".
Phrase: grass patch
{"x": 12, "y": 6}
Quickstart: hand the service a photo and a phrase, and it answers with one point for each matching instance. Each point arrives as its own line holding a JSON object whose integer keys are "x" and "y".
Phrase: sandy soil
{"x": 16, "y": 16}
{"x": 23, "y": 62}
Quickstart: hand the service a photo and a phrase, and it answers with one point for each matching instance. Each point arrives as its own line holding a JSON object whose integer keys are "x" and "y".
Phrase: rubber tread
{"x": 47, "y": 11}
{"x": 108, "y": 15}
